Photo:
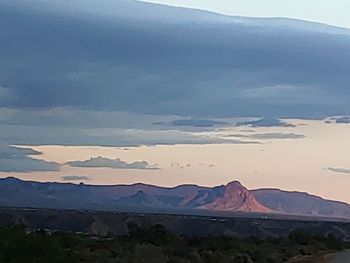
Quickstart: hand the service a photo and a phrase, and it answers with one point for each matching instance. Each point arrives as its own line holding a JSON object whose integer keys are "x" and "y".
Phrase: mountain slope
{"x": 141, "y": 199}
{"x": 236, "y": 198}
{"x": 298, "y": 203}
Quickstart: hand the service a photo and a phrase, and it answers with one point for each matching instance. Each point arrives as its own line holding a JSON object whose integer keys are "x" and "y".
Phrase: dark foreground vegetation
{"x": 153, "y": 244}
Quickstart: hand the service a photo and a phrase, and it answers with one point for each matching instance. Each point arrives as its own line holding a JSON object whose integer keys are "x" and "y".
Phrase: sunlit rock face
{"x": 236, "y": 198}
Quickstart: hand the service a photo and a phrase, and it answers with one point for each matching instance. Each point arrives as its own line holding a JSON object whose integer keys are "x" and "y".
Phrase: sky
{"x": 126, "y": 92}
{"x": 304, "y": 157}
{"x": 323, "y": 11}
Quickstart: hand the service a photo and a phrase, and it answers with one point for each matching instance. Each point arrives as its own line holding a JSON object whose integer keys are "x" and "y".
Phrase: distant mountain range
{"x": 232, "y": 197}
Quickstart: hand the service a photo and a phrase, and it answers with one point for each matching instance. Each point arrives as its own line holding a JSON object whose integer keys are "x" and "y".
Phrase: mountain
{"x": 236, "y": 198}
{"x": 298, "y": 203}
{"x": 138, "y": 199}
{"x": 232, "y": 197}
{"x": 141, "y": 199}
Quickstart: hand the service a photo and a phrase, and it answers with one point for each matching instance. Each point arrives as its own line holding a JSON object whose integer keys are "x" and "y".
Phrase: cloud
{"x": 272, "y": 92}
{"x": 70, "y": 126}
{"x": 339, "y": 170}
{"x": 100, "y": 162}
{"x": 6, "y": 95}
{"x": 265, "y": 122}
{"x": 278, "y": 95}
{"x": 211, "y": 165}
{"x": 4, "y": 92}
{"x": 343, "y": 120}
{"x": 18, "y": 160}
{"x": 338, "y": 120}
{"x": 79, "y": 94}
{"x": 75, "y": 178}
{"x": 198, "y": 123}
{"x": 176, "y": 165}
{"x": 7, "y": 151}
{"x": 267, "y": 136}
{"x": 117, "y": 129}
{"x": 79, "y": 118}
{"x": 194, "y": 71}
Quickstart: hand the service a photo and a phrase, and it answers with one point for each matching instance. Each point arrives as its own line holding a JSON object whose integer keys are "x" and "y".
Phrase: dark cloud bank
{"x": 86, "y": 72}
{"x": 132, "y": 56}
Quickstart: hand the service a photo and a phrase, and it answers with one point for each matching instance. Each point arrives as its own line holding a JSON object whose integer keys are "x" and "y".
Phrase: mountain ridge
{"x": 233, "y": 197}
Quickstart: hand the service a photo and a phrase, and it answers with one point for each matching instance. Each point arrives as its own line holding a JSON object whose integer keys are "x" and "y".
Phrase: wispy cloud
{"x": 268, "y": 136}
{"x": 339, "y": 120}
{"x": 266, "y": 122}
{"x": 18, "y": 160}
{"x": 339, "y": 170}
{"x": 274, "y": 92}
{"x": 101, "y": 162}
{"x": 198, "y": 123}
{"x": 210, "y": 165}
{"x": 75, "y": 178}
{"x": 176, "y": 165}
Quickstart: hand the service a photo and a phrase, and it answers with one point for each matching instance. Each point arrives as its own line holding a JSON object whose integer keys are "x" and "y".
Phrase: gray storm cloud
{"x": 133, "y": 56}
{"x": 76, "y": 72}
{"x": 18, "y": 160}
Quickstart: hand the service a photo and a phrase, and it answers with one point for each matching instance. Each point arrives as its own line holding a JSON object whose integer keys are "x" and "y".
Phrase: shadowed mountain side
{"x": 232, "y": 197}
{"x": 142, "y": 199}
{"x": 298, "y": 203}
